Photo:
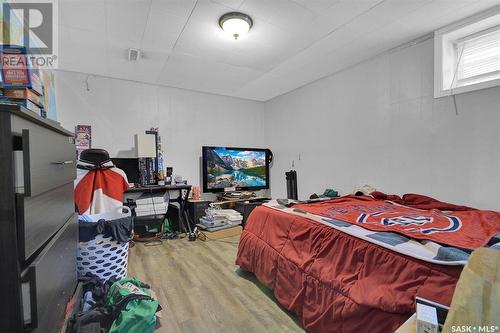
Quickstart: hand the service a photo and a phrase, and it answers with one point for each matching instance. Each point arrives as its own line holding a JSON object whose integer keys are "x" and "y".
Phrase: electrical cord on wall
{"x": 453, "y": 80}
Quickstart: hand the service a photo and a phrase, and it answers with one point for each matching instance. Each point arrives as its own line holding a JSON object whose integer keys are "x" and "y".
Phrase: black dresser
{"x": 38, "y": 228}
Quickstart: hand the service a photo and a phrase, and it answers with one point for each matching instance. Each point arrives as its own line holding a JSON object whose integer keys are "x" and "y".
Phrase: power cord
{"x": 453, "y": 80}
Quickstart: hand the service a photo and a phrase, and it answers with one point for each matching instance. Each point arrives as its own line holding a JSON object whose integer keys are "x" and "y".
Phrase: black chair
{"x": 96, "y": 157}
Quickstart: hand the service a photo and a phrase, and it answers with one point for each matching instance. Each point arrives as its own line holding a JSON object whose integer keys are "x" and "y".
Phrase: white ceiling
{"x": 292, "y": 42}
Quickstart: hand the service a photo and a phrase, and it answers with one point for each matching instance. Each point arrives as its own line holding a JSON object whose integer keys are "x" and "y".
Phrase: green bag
{"x": 139, "y": 315}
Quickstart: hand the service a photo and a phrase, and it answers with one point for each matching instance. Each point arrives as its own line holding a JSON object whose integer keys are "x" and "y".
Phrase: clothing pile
{"x": 124, "y": 305}
{"x": 118, "y": 230}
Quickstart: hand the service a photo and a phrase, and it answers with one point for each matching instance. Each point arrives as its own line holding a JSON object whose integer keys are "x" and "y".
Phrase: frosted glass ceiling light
{"x": 236, "y": 24}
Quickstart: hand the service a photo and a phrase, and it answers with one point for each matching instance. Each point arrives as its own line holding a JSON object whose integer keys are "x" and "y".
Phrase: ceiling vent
{"x": 134, "y": 54}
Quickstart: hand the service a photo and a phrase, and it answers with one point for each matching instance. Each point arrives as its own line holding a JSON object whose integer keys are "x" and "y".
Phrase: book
{"x": 24, "y": 93}
{"x": 36, "y": 82}
{"x": 25, "y": 103}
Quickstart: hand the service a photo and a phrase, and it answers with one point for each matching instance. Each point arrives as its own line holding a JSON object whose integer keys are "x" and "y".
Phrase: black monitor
{"x": 234, "y": 169}
{"x": 130, "y": 166}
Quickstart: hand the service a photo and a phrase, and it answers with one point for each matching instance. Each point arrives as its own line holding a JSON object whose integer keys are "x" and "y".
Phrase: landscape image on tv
{"x": 235, "y": 168}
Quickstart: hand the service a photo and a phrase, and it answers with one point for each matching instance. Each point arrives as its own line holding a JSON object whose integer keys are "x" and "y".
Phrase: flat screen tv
{"x": 235, "y": 169}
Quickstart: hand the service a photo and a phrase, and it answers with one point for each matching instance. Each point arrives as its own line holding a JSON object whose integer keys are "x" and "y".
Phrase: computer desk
{"x": 182, "y": 200}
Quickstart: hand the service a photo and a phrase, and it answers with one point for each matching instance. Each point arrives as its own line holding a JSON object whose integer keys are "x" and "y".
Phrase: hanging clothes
{"x": 99, "y": 190}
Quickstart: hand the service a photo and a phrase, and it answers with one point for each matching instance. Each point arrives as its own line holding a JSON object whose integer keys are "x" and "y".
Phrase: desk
{"x": 181, "y": 199}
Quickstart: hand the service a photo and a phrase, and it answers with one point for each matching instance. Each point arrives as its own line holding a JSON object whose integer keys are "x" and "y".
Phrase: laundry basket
{"x": 102, "y": 256}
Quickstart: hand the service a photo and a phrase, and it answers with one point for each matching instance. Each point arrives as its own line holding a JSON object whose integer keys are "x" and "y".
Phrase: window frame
{"x": 446, "y": 57}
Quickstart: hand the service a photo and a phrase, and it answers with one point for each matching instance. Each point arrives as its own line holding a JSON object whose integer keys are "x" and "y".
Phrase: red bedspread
{"x": 466, "y": 229}
{"x": 335, "y": 282}
{"x": 420, "y": 201}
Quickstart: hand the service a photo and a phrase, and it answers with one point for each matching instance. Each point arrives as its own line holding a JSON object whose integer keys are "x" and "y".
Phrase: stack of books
{"x": 147, "y": 171}
{"x": 151, "y": 204}
{"x": 25, "y": 97}
{"x": 20, "y": 85}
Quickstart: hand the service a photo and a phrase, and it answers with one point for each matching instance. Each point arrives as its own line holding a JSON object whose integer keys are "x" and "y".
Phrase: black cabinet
{"x": 49, "y": 281}
{"x": 245, "y": 208}
{"x": 38, "y": 228}
{"x": 196, "y": 209}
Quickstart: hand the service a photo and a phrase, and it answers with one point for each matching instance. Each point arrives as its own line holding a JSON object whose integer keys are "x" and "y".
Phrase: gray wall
{"x": 118, "y": 109}
{"x": 378, "y": 123}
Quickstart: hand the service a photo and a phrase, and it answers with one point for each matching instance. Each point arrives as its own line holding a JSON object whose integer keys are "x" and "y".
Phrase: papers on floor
{"x": 151, "y": 204}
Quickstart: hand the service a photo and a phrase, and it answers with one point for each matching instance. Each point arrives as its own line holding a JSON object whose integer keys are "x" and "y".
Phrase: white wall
{"x": 378, "y": 123}
{"x": 118, "y": 109}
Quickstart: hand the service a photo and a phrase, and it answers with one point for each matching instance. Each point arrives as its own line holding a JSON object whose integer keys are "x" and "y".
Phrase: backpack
{"x": 125, "y": 306}
{"x": 138, "y": 315}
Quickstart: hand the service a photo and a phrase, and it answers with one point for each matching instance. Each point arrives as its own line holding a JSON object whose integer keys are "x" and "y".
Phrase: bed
{"x": 342, "y": 277}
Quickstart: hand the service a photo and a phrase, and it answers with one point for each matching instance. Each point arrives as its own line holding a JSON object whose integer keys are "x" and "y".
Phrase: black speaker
{"x": 291, "y": 185}
{"x": 269, "y": 156}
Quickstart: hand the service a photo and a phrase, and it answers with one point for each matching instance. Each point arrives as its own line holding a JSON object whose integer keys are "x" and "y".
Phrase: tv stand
{"x": 237, "y": 195}
{"x": 230, "y": 203}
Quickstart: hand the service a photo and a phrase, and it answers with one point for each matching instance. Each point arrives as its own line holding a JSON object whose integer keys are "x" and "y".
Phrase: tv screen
{"x": 230, "y": 169}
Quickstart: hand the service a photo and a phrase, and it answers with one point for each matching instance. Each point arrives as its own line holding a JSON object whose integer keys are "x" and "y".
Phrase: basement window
{"x": 467, "y": 55}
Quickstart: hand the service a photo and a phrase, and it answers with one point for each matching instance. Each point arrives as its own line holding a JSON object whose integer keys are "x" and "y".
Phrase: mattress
{"x": 334, "y": 281}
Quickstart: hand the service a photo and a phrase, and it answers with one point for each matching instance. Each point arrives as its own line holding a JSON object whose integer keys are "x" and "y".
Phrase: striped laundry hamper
{"x": 102, "y": 256}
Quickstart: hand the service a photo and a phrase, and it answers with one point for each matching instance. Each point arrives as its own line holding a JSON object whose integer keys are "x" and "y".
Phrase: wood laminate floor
{"x": 202, "y": 290}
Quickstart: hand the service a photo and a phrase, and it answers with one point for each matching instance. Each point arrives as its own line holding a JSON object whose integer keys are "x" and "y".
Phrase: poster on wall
{"x": 83, "y": 138}
{"x": 50, "y": 94}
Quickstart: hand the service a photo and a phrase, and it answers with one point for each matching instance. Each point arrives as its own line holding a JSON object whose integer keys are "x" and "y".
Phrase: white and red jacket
{"x": 99, "y": 190}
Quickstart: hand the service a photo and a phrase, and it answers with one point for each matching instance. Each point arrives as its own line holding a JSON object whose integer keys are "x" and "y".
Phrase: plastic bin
{"x": 102, "y": 256}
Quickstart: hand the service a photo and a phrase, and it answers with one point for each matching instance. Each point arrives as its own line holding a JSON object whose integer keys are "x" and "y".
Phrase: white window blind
{"x": 479, "y": 58}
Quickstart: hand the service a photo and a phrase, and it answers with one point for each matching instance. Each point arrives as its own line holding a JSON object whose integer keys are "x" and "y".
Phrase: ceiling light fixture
{"x": 236, "y": 24}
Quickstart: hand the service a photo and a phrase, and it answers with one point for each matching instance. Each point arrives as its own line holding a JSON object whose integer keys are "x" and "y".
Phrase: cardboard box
{"x": 224, "y": 233}
{"x": 426, "y": 319}
{"x": 24, "y": 93}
